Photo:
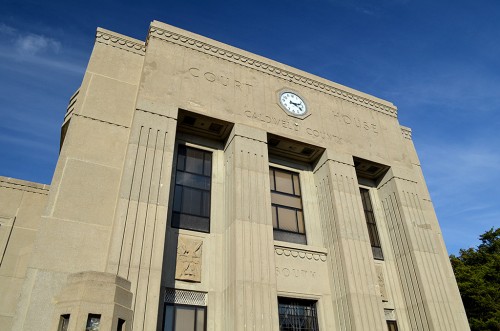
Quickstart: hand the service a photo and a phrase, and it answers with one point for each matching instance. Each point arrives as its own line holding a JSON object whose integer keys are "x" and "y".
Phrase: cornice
{"x": 115, "y": 40}
{"x": 244, "y": 60}
{"x": 22, "y": 185}
{"x": 406, "y": 132}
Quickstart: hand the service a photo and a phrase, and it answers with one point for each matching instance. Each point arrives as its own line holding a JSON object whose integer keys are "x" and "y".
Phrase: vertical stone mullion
{"x": 251, "y": 283}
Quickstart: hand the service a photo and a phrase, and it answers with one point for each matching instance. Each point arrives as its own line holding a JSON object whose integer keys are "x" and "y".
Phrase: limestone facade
{"x": 191, "y": 188}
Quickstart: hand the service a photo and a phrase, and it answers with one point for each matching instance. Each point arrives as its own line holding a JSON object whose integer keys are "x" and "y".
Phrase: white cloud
{"x": 24, "y": 47}
{"x": 32, "y": 44}
{"x": 7, "y": 30}
{"x": 28, "y": 44}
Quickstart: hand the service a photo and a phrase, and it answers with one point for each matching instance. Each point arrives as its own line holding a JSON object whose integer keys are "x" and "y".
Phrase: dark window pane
{"x": 181, "y": 158}
{"x": 177, "y": 198}
{"x": 190, "y": 222}
{"x": 297, "y": 315}
{"x": 194, "y": 160}
{"x": 192, "y": 180}
{"x": 169, "y": 318}
{"x": 207, "y": 171}
{"x": 205, "y": 207}
{"x": 371, "y": 224}
{"x": 93, "y": 322}
{"x": 63, "y": 322}
{"x": 191, "y": 201}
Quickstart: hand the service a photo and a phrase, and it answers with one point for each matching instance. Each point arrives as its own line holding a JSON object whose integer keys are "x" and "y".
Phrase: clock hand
{"x": 295, "y": 104}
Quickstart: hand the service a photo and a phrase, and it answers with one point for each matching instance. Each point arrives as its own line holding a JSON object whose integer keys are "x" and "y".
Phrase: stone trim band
{"x": 113, "y": 40}
{"x": 204, "y": 47}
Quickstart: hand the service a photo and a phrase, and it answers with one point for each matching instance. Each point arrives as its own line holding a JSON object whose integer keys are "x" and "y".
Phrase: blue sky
{"x": 438, "y": 61}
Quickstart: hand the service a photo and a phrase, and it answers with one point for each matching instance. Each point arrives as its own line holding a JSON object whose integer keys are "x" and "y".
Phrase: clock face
{"x": 293, "y": 103}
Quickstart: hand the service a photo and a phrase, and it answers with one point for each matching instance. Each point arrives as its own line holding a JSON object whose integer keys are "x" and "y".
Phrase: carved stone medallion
{"x": 381, "y": 283}
{"x": 188, "y": 266}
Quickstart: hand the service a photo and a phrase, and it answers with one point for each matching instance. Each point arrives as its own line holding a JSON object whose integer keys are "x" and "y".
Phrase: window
{"x": 372, "y": 225}
{"x": 286, "y": 205}
{"x": 121, "y": 325}
{"x": 297, "y": 315}
{"x": 184, "y": 318}
{"x": 63, "y": 322}
{"x": 191, "y": 206}
{"x": 93, "y": 322}
{"x": 392, "y": 325}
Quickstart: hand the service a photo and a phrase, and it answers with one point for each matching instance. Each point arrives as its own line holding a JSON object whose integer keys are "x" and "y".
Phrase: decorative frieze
{"x": 406, "y": 131}
{"x": 204, "y": 47}
{"x": 113, "y": 40}
{"x": 300, "y": 254}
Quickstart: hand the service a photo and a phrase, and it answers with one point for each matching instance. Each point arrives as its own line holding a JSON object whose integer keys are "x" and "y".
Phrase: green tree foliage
{"x": 478, "y": 277}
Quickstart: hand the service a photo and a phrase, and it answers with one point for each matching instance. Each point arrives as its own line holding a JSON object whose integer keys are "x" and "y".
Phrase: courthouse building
{"x": 202, "y": 187}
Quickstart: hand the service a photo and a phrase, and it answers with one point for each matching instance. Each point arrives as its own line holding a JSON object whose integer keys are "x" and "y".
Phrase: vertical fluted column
{"x": 136, "y": 251}
{"x": 250, "y": 283}
{"x": 421, "y": 261}
{"x": 356, "y": 303}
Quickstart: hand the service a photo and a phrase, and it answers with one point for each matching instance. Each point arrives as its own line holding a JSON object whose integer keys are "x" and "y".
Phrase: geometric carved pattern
{"x": 300, "y": 254}
{"x": 185, "y": 297}
{"x": 406, "y": 132}
{"x": 188, "y": 266}
{"x": 118, "y": 42}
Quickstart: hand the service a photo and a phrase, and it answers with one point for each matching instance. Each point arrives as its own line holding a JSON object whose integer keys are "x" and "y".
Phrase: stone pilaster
{"x": 353, "y": 279}
{"x": 250, "y": 297}
{"x": 421, "y": 262}
{"x": 136, "y": 251}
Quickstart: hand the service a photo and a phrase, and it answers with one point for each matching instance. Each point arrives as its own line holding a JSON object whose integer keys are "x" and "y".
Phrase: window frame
{"x": 392, "y": 325}
{"x": 375, "y": 224}
{"x": 292, "y": 172}
{"x": 205, "y": 149}
{"x": 165, "y": 304}
{"x": 311, "y": 303}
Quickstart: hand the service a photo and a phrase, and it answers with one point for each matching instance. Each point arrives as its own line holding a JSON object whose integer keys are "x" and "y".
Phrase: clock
{"x": 292, "y": 103}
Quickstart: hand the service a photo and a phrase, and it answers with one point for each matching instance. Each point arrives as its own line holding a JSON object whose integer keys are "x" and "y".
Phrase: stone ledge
{"x": 23, "y": 185}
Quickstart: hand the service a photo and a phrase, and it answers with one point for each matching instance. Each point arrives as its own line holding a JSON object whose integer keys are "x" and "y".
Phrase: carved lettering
{"x": 220, "y": 79}
{"x": 277, "y": 121}
{"x": 323, "y": 135}
{"x": 295, "y": 273}
{"x": 209, "y": 76}
{"x": 189, "y": 259}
